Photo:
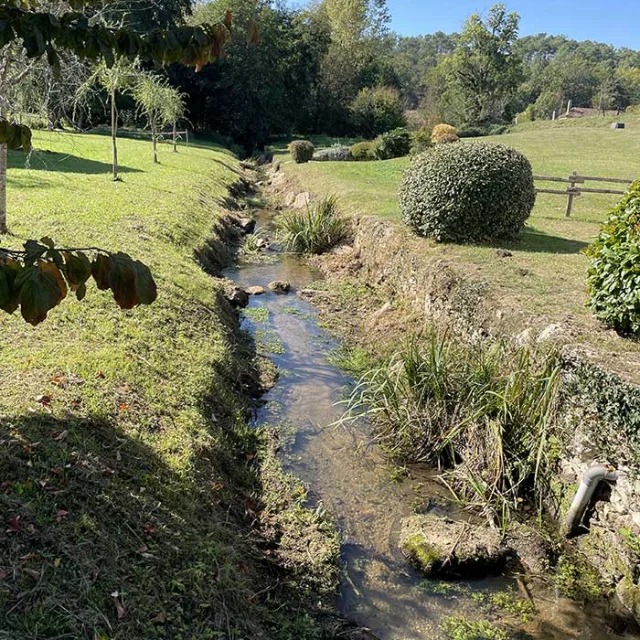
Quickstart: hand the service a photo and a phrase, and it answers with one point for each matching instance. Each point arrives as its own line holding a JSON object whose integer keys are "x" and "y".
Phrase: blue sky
{"x": 614, "y": 22}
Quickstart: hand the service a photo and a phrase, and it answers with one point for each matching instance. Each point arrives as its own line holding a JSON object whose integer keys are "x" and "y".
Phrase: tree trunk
{"x": 155, "y": 144}
{"x": 175, "y": 136}
{"x": 114, "y": 134}
{"x": 3, "y": 189}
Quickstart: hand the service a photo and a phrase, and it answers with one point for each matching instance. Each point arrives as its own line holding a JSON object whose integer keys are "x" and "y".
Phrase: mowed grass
{"x": 547, "y": 274}
{"x": 124, "y": 458}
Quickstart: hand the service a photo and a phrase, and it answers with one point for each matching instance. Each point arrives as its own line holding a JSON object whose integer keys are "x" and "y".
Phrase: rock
{"x": 503, "y": 253}
{"x": 525, "y": 338}
{"x": 302, "y": 200}
{"x": 239, "y": 298}
{"x": 443, "y": 548}
{"x": 310, "y": 293}
{"x": 255, "y": 291}
{"x": 279, "y": 286}
{"x": 532, "y": 549}
{"x": 335, "y": 154}
{"x": 629, "y": 595}
{"x": 552, "y": 333}
{"x": 262, "y": 243}
{"x": 289, "y": 199}
{"x": 248, "y": 225}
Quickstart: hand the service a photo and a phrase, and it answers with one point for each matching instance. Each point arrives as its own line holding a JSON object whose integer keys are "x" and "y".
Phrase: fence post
{"x": 187, "y": 136}
{"x": 571, "y": 195}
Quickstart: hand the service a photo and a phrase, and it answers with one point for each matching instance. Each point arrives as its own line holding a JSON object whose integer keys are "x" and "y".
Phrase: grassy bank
{"x": 546, "y": 275}
{"x": 135, "y": 501}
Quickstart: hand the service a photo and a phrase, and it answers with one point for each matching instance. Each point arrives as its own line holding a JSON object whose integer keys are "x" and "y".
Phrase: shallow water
{"x": 379, "y": 590}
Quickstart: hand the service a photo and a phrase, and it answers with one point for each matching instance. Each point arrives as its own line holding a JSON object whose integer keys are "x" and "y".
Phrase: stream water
{"x": 379, "y": 590}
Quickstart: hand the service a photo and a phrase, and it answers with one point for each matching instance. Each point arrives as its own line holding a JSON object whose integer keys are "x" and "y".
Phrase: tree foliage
{"x": 38, "y": 278}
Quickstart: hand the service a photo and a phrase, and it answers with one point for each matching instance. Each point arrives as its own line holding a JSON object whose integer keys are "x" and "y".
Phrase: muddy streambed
{"x": 379, "y": 590}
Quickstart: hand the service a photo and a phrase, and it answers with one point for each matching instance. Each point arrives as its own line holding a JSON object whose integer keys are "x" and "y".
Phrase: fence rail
{"x": 573, "y": 191}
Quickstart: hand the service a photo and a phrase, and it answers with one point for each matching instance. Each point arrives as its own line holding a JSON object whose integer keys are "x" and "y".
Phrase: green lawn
{"x": 546, "y": 274}
{"x": 125, "y": 461}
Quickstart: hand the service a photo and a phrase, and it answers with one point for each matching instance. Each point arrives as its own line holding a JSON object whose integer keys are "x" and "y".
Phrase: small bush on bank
{"x": 316, "y": 230}
{"x": 337, "y": 153}
{"x": 443, "y": 133}
{"x": 376, "y": 110}
{"x": 614, "y": 275}
{"x": 422, "y": 138}
{"x": 363, "y": 151}
{"x": 394, "y": 144}
{"x": 474, "y": 191}
{"x": 301, "y": 151}
{"x": 472, "y": 132}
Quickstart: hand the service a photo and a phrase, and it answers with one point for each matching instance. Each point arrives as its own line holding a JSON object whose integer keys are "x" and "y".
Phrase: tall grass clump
{"x": 315, "y": 230}
{"x": 483, "y": 413}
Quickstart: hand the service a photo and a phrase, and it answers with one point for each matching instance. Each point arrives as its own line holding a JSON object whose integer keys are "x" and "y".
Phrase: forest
{"x": 289, "y": 75}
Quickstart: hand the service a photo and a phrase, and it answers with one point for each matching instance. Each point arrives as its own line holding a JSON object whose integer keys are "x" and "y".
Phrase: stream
{"x": 379, "y": 590}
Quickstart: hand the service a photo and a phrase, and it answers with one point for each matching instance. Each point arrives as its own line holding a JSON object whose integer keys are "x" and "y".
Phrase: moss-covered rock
{"x": 629, "y": 595}
{"x": 440, "y": 547}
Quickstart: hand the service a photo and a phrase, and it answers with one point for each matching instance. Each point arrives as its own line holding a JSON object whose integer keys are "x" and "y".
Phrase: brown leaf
{"x": 61, "y": 515}
{"x": 149, "y": 529}
{"x": 123, "y": 407}
{"x": 120, "y": 608}
{"x": 60, "y": 436}
{"x": 3, "y": 574}
{"x": 161, "y": 618}
{"x": 45, "y": 401}
{"x": 14, "y": 525}
{"x": 33, "y": 573}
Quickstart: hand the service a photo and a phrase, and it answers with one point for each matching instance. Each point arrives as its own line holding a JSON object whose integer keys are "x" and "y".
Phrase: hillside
{"x": 129, "y": 480}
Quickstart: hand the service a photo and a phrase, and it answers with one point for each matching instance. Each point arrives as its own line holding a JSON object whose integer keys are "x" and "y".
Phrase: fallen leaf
{"x": 61, "y": 514}
{"x": 249, "y": 456}
{"x": 45, "y": 401}
{"x": 123, "y": 407}
{"x": 149, "y": 530}
{"x": 33, "y": 573}
{"x": 31, "y": 529}
{"x": 218, "y": 486}
{"x": 120, "y": 608}
{"x": 57, "y": 562}
{"x": 99, "y": 374}
{"x": 161, "y": 618}
{"x": 14, "y": 525}
{"x": 62, "y": 435}
{"x": 3, "y": 574}
{"x": 58, "y": 381}
{"x": 143, "y": 549}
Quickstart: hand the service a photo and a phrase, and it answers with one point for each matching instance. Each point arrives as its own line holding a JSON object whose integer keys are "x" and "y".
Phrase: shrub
{"x": 337, "y": 153}
{"x": 301, "y": 151}
{"x": 468, "y": 192}
{"x": 364, "y": 151}
{"x": 394, "y": 144}
{"x": 614, "y": 275}
{"x": 443, "y": 133}
{"x": 470, "y": 131}
{"x": 376, "y": 110}
{"x": 314, "y": 231}
{"x": 422, "y": 138}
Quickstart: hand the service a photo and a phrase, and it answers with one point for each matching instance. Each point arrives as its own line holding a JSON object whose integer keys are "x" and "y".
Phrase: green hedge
{"x": 472, "y": 191}
{"x": 364, "y": 151}
{"x": 394, "y": 144}
{"x": 614, "y": 275}
{"x": 301, "y": 151}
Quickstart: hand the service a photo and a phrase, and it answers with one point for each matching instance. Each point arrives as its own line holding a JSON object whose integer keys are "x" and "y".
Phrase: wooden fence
{"x": 573, "y": 191}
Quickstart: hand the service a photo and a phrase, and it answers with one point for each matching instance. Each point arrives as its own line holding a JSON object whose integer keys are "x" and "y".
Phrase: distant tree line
{"x": 334, "y": 67}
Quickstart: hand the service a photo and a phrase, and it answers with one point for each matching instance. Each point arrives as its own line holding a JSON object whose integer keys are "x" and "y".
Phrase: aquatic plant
{"x": 315, "y": 230}
{"x": 483, "y": 413}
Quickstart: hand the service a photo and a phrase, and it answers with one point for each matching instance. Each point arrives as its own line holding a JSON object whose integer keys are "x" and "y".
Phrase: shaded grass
{"x": 129, "y": 481}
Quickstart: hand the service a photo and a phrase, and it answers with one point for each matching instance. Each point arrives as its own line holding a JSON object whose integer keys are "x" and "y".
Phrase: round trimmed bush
{"x": 301, "y": 151}
{"x": 362, "y": 151}
{"x": 614, "y": 275}
{"x": 465, "y": 192}
{"x": 443, "y": 133}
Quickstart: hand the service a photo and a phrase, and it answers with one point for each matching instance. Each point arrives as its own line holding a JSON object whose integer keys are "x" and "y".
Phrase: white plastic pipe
{"x": 591, "y": 479}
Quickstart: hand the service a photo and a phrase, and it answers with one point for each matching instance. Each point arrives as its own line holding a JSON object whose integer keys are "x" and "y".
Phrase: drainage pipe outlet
{"x": 591, "y": 479}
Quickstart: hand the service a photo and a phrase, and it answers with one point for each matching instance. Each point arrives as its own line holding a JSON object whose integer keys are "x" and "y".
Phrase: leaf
{"x": 122, "y": 281}
{"x": 42, "y": 287}
{"x": 146, "y": 289}
{"x": 9, "y": 294}
{"x": 100, "y": 270}
{"x": 77, "y": 268}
